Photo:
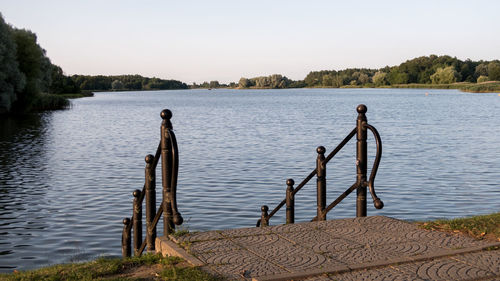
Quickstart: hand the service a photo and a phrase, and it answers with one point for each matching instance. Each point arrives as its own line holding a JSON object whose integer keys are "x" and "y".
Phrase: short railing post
{"x": 290, "y": 202}
{"x": 166, "y": 173}
{"x": 361, "y": 161}
{"x": 150, "y": 184}
{"x": 137, "y": 221}
{"x": 126, "y": 239}
{"x": 321, "y": 183}
{"x": 264, "y": 217}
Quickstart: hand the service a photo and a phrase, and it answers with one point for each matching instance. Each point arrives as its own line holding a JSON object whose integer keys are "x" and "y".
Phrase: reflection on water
{"x": 66, "y": 177}
{"x": 23, "y": 184}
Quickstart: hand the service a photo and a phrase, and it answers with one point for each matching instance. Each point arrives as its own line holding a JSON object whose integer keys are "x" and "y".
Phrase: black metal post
{"x": 264, "y": 217}
{"x": 126, "y": 240}
{"x": 150, "y": 184}
{"x": 137, "y": 221}
{"x": 361, "y": 161}
{"x": 166, "y": 172}
{"x": 290, "y": 202}
{"x": 321, "y": 183}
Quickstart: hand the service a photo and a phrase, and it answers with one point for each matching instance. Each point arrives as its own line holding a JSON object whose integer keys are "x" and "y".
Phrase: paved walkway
{"x": 370, "y": 248}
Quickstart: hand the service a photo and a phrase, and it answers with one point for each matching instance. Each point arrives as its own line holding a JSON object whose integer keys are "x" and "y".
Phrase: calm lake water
{"x": 66, "y": 177}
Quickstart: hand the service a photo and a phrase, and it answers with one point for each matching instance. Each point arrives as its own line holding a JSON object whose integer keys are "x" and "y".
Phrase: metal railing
{"x": 320, "y": 172}
{"x": 169, "y": 153}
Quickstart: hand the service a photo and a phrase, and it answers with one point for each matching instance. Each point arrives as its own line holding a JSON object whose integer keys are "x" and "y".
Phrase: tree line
{"x": 274, "y": 81}
{"x": 422, "y": 70}
{"x": 124, "y": 82}
{"x": 27, "y": 76}
{"x": 30, "y": 81}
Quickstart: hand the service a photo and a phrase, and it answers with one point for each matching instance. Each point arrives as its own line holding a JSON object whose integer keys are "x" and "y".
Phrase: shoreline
{"x": 485, "y": 87}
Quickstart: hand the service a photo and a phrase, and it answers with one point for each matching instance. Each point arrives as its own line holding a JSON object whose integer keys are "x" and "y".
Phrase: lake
{"x": 66, "y": 177}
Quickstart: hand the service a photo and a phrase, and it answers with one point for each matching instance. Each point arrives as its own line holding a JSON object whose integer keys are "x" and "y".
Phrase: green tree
{"x": 338, "y": 81}
{"x": 12, "y": 80}
{"x": 482, "y": 79}
{"x": 445, "y": 75}
{"x": 214, "y": 84}
{"x": 34, "y": 65}
{"x": 363, "y": 78}
{"x": 395, "y": 76}
{"x": 379, "y": 78}
{"x": 244, "y": 83}
{"x": 494, "y": 71}
{"x": 481, "y": 70}
{"x": 117, "y": 85}
{"x": 60, "y": 83}
{"x": 327, "y": 80}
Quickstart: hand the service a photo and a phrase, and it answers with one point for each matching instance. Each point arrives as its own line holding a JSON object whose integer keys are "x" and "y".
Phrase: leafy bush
{"x": 49, "y": 102}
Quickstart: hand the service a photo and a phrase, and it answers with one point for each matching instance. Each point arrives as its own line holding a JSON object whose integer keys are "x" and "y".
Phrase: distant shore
{"x": 485, "y": 87}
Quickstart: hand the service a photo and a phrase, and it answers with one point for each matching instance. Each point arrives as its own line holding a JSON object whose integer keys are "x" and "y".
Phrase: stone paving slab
{"x": 369, "y": 248}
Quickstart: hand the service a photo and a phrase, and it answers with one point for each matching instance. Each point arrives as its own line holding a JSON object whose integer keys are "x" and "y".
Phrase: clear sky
{"x": 196, "y": 41}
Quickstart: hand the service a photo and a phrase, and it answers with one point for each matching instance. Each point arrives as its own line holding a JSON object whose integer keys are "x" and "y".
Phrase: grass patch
{"x": 180, "y": 232}
{"x": 432, "y": 86}
{"x": 146, "y": 267}
{"x": 485, "y": 87}
{"x": 480, "y": 227}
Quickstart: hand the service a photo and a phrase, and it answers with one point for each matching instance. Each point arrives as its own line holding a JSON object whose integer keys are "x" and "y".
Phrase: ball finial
{"x": 178, "y": 219}
{"x": 149, "y": 158}
{"x": 166, "y": 114}
{"x": 320, "y": 149}
{"x": 264, "y": 208}
{"x": 361, "y": 108}
{"x": 378, "y": 204}
{"x": 290, "y": 182}
{"x": 126, "y": 221}
{"x": 136, "y": 193}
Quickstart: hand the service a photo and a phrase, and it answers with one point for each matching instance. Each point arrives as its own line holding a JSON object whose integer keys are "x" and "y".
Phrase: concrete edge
{"x": 369, "y": 265}
{"x": 166, "y": 247}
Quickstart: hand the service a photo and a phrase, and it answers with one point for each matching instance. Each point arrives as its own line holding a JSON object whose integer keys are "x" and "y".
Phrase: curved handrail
{"x": 170, "y": 173}
{"x": 376, "y": 201}
{"x": 177, "y": 218}
{"x": 361, "y": 183}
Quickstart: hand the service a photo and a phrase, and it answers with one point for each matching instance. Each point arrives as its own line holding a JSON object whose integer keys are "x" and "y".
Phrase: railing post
{"x": 290, "y": 202}
{"x": 166, "y": 172}
{"x": 150, "y": 184}
{"x": 137, "y": 221}
{"x": 264, "y": 217}
{"x": 361, "y": 161}
{"x": 126, "y": 240}
{"x": 321, "y": 183}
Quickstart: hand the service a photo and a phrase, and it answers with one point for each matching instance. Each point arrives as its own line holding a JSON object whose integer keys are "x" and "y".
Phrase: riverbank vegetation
{"x": 479, "y": 227}
{"x": 28, "y": 80}
{"x": 146, "y": 267}
{"x": 440, "y": 72}
{"x": 124, "y": 83}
